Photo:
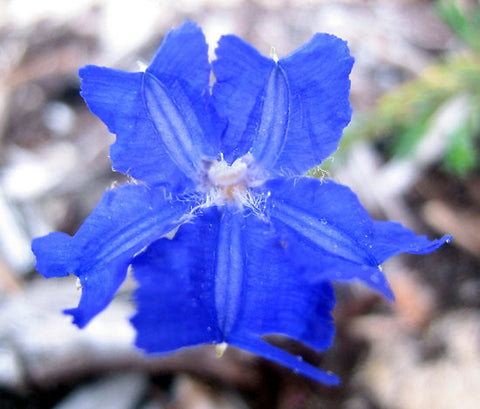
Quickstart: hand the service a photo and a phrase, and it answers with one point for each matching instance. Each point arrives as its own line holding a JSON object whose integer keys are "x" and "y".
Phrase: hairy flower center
{"x": 226, "y": 183}
{"x": 222, "y": 174}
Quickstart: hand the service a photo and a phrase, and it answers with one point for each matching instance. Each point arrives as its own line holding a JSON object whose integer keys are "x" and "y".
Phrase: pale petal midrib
{"x": 335, "y": 240}
{"x": 229, "y": 274}
{"x": 170, "y": 124}
{"x": 137, "y": 234}
{"x": 270, "y": 139}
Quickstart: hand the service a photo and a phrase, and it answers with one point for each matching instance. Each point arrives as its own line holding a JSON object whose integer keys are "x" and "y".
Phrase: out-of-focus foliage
{"x": 465, "y": 23}
{"x": 404, "y": 115}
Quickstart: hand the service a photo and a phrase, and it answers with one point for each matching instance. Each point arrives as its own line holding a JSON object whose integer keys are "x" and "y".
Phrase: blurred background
{"x": 410, "y": 153}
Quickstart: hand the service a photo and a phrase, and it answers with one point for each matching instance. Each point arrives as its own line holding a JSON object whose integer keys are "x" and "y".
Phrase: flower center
{"x": 222, "y": 174}
{"x": 228, "y": 183}
{"x": 224, "y": 183}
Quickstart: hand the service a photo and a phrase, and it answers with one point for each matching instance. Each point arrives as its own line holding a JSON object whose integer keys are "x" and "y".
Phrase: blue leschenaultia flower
{"x": 256, "y": 243}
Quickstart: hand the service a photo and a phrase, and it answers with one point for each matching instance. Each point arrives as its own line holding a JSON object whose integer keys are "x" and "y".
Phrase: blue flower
{"x": 255, "y": 244}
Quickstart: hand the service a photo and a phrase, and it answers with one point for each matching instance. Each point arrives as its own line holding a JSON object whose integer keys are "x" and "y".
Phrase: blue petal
{"x": 392, "y": 238}
{"x": 219, "y": 280}
{"x": 318, "y": 78}
{"x": 175, "y": 302}
{"x": 183, "y": 55}
{"x": 266, "y": 275}
{"x": 291, "y": 114}
{"x": 241, "y": 74}
{"x": 127, "y": 219}
{"x": 53, "y": 253}
{"x": 162, "y": 118}
{"x": 326, "y": 230}
{"x": 324, "y": 213}
{"x": 282, "y": 357}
